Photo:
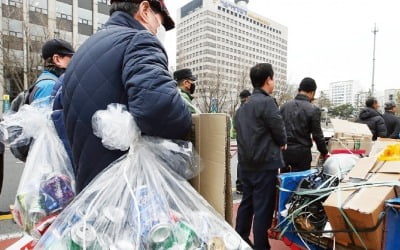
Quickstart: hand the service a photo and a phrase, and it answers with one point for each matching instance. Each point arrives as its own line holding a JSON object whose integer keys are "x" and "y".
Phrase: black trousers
{"x": 298, "y": 158}
{"x": 1, "y": 170}
{"x": 239, "y": 185}
{"x": 259, "y": 190}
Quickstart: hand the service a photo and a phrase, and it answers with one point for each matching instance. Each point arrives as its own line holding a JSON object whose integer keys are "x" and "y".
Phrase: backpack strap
{"x": 32, "y": 90}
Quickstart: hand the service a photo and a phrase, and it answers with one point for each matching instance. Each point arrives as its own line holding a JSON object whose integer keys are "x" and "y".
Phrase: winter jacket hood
{"x": 374, "y": 121}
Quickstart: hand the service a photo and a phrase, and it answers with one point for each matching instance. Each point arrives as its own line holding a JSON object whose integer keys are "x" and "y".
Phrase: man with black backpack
{"x": 56, "y": 54}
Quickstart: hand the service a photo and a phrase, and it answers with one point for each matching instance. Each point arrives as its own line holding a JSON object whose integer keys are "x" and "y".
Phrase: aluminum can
{"x": 83, "y": 214}
{"x": 114, "y": 214}
{"x": 83, "y": 236}
{"x": 161, "y": 237}
{"x": 50, "y": 204}
{"x": 231, "y": 241}
{"x": 187, "y": 237}
{"x": 35, "y": 213}
{"x": 40, "y": 228}
{"x": 216, "y": 243}
{"x": 59, "y": 188}
{"x": 150, "y": 210}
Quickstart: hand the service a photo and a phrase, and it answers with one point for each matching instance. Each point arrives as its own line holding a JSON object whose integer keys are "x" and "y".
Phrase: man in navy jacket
{"x": 123, "y": 63}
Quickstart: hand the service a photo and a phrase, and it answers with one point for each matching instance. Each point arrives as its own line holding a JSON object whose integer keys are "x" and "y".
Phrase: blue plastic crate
{"x": 290, "y": 181}
{"x": 392, "y": 227}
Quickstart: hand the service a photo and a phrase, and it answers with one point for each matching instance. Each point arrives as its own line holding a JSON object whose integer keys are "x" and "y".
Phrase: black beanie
{"x": 308, "y": 84}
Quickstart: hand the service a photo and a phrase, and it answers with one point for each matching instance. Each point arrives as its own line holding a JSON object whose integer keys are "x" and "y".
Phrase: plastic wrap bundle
{"x": 47, "y": 183}
{"x": 139, "y": 202}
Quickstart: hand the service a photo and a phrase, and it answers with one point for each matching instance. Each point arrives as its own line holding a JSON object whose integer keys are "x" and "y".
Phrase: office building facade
{"x": 344, "y": 92}
{"x": 220, "y": 41}
{"x": 26, "y": 24}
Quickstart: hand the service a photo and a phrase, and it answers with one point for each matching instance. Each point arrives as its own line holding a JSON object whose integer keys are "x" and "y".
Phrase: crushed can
{"x": 59, "y": 187}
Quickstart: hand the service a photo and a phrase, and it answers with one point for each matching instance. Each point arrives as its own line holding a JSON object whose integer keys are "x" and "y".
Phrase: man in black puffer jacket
{"x": 123, "y": 63}
{"x": 302, "y": 119}
{"x": 391, "y": 120}
{"x": 370, "y": 116}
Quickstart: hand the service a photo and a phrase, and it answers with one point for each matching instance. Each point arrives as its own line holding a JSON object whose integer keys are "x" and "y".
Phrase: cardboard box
{"x": 343, "y": 128}
{"x": 351, "y": 136}
{"x": 350, "y": 144}
{"x": 362, "y": 207}
{"x": 212, "y": 143}
{"x": 380, "y": 144}
{"x": 367, "y": 167}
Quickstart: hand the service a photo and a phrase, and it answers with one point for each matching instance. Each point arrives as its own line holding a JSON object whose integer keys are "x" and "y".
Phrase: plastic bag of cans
{"x": 139, "y": 202}
{"x": 47, "y": 183}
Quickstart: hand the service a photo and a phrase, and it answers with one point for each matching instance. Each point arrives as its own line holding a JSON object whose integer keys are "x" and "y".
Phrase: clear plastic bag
{"x": 139, "y": 202}
{"x": 47, "y": 184}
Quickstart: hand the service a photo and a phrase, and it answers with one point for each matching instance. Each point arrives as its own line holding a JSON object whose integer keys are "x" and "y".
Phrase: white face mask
{"x": 161, "y": 32}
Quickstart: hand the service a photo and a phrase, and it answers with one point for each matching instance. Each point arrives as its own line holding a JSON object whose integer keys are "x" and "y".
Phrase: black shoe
{"x": 5, "y": 212}
{"x": 239, "y": 192}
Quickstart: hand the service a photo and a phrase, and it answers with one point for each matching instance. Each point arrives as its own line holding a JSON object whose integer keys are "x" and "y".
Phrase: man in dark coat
{"x": 123, "y": 63}
{"x": 244, "y": 97}
{"x": 371, "y": 116}
{"x": 302, "y": 119}
{"x": 260, "y": 137}
{"x": 391, "y": 120}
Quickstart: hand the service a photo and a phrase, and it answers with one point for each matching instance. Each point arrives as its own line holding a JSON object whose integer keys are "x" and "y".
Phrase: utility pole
{"x": 375, "y": 30}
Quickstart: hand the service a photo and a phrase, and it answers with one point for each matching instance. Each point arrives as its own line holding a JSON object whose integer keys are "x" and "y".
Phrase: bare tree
{"x": 212, "y": 92}
{"x": 22, "y": 49}
{"x": 243, "y": 82}
{"x": 323, "y": 100}
{"x": 284, "y": 92}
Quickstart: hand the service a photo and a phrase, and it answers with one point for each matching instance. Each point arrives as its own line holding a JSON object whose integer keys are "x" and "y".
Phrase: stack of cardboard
{"x": 210, "y": 135}
{"x": 363, "y": 206}
{"x": 350, "y": 136}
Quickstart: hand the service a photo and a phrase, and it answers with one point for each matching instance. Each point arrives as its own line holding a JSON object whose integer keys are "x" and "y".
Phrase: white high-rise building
{"x": 391, "y": 95}
{"x": 344, "y": 92}
{"x": 220, "y": 41}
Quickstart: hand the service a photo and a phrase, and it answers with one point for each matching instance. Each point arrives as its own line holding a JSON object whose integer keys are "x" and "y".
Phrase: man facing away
{"x": 374, "y": 120}
{"x": 186, "y": 85}
{"x": 244, "y": 97}
{"x": 123, "y": 63}
{"x": 392, "y": 122}
{"x": 261, "y": 137}
{"x": 303, "y": 124}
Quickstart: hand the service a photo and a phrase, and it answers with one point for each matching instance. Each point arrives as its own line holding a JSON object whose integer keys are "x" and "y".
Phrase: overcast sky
{"x": 331, "y": 40}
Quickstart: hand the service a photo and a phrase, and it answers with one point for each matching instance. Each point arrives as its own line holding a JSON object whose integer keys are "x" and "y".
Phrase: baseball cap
{"x": 56, "y": 46}
{"x": 389, "y": 105}
{"x": 157, "y": 5}
{"x": 245, "y": 93}
{"x": 184, "y": 74}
